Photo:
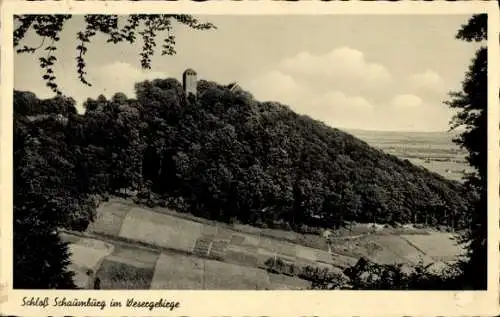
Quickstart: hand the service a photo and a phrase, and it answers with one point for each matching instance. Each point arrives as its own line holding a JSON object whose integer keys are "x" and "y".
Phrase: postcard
{"x": 250, "y": 158}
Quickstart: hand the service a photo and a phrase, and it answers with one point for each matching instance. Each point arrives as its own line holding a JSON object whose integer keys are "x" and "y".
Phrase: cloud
{"x": 333, "y": 107}
{"x": 345, "y": 90}
{"x": 341, "y": 64}
{"x": 337, "y": 100}
{"x": 406, "y": 101}
{"x": 411, "y": 112}
{"x": 108, "y": 79}
{"x": 275, "y": 85}
{"x": 337, "y": 108}
{"x": 429, "y": 80}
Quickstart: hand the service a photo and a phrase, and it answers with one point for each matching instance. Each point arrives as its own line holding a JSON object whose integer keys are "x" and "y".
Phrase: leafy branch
{"x": 147, "y": 27}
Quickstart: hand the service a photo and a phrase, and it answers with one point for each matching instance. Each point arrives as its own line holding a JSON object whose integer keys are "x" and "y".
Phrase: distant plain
{"x": 434, "y": 151}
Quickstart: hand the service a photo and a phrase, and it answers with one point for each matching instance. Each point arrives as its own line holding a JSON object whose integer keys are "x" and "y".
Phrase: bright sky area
{"x": 354, "y": 72}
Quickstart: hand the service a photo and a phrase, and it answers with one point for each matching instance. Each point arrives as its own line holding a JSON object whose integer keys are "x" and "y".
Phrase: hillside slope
{"x": 259, "y": 162}
{"x": 227, "y": 157}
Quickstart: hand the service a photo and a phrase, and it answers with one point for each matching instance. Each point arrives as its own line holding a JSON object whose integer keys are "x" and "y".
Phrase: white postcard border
{"x": 258, "y": 303}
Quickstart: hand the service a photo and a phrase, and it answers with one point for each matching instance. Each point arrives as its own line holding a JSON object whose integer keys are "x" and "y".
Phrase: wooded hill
{"x": 222, "y": 155}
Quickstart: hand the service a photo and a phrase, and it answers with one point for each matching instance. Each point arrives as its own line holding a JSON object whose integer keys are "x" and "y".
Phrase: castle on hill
{"x": 189, "y": 83}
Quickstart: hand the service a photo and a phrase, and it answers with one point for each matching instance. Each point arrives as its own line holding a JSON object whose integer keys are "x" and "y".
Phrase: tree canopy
{"x": 471, "y": 104}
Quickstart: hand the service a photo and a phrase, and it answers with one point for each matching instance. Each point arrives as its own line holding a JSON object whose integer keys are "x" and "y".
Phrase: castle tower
{"x": 189, "y": 81}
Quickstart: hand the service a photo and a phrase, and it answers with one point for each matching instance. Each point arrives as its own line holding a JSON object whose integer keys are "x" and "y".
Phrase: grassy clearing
{"x": 185, "y": 216}
{"x": 449, "y": 169}
{"x": 161, "y": 230}
{"x": 243, "y": 255}
{"x": 225, "y": 276}
{"x": 243, "y": 258}
{"x": 85, "y": 254}
{"x": 118, "y": 275}
{"x": 177, "y": 272}
{"x": 223, "y": 233}
{"x": 110, "y": 216}
{"x": 399, "y": 247}
{"x": 250, "y": 247}
{"x": 281, "y": 234}
{"x": 248, "y": 229}
{"x": 300, "y": 263}
{"x": 135, "y": 256}
{"x": 323, "y": 256}
{"x": 366, "y": 246}
{"x": 237, "y": 239}
{"x": 306, "y": 253}
{"x": 88, "y": 257}
{"x": 387, "y": 249}
{"x": 189, "y": 227}
{"x": 250, "y": 240}
{"x": 439, "y": 246}
{"x": 343, "y": 261}
{"x": 95, "y": 244}
{"x": 208, "y": 230}
{"x": 277, "y": 246}
{"x": 266, "y": 252}
{"x": 312, "y": 241}
{"x": 362, "y": 229}
{"x": 386, "y": 256}
{"x": 283, "y": 282}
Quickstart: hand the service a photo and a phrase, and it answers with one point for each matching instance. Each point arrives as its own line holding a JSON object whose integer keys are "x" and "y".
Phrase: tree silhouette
{"x": 58, "y": 168}
{"x": 471, "y": 103}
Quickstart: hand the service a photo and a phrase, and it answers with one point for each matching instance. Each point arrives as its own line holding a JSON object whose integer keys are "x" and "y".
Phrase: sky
{"x": 388, "y": 73}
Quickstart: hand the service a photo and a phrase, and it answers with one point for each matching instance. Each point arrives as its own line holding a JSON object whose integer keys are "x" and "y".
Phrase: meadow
{"x": 134, "y": 247}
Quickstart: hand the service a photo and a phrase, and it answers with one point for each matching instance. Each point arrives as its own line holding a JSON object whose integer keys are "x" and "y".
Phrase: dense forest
{"x": 221, "y": 155}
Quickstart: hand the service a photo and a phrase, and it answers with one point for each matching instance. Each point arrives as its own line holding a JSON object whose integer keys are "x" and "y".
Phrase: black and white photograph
{"x": 250, "y": 152}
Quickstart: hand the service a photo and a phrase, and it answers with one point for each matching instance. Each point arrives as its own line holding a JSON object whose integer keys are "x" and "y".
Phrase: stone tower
{"x": 189, "y": 81}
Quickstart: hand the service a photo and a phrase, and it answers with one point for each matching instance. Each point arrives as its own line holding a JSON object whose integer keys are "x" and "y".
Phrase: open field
{"x": 442, "y": 249}
{"x": 281, "y": 282}
{"x": 390, "y": 249}
{"x": 133, "y": 247}
{"x": 86, "y": 254}
{"x": 434, "y": 151}
{"x": 447, "y": 168}
{"x": 169, "y": 231}
{"x": 178, "y": 272}
{"x": 225, "y": 276}
{"x": 111, "y": 221}
{"x": 115, "y": 274}
{"x": 130, "y": 267}
{"x": 163, "y": 230}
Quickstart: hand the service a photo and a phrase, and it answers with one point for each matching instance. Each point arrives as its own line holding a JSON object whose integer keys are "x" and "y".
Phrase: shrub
{"x": 367, "y": 275}
{"x": 275, "y": 265}
{"x": 323, "y": 278}
{"x": 291, "y": 270}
